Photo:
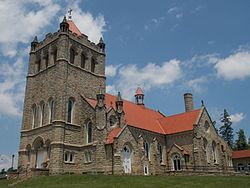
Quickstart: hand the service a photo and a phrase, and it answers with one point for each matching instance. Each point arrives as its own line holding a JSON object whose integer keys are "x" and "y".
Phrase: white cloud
{"x": 196, "y": 84}
{"x": 17, "y": 15}
{"x": 236, "y": 66}
{"x": 6, "y": 161}
{"x": 173, "y": 9}
{"x": 237, "y": 117}
{"x": 110, "y": 70}
{"x": 152, "y": 75}
{"x": 12, "y": 81}
{"x": 111, "y": 90}
{"x": 89, "y": 25}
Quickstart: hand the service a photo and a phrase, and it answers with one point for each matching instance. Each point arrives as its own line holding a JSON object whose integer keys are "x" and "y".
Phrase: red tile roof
{"x": 73, "y": 27}
{"x": 113, "y": 134}
{"x": 180, "y": 122}
{"x": 139, "y": 91}
{"x": 184, "y": 152}
{"x": 241, "y": 154}
{"x": 144, "y": 118}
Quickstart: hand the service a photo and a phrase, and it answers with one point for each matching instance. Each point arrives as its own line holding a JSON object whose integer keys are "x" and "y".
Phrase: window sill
{"x": 90, "y": 162}
{"x": 66, "y": 162}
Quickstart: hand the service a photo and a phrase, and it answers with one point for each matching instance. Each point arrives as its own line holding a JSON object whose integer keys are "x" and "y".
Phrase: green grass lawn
{"x": 99, "y": 181}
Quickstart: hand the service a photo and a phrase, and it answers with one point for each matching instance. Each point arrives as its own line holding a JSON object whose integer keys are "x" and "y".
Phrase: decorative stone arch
{"x": 126, "y": 156}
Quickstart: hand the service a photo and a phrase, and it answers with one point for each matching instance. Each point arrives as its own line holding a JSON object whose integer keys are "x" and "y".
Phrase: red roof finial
{"x": 139, "y": 91}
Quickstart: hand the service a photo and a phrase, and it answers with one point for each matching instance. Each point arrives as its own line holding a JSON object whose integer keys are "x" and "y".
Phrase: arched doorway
{"x": 39, "y": 151}
{"x": 126, "y": 157}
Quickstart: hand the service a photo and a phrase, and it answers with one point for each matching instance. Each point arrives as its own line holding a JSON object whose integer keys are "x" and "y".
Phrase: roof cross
{"x": 70, "y": 14}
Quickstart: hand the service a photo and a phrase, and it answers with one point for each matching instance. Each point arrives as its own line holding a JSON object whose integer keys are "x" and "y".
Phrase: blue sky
{"x": 166, "y": 47}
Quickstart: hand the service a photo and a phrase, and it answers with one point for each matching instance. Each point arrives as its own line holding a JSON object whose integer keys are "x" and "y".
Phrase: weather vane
{"x": 70, "y": 12}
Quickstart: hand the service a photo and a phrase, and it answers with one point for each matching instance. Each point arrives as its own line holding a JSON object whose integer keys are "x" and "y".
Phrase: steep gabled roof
{"x": 241, "y": 154}
{"x": 179, "y": 122}
{"x": 138, "y": 116}
{"x": 144, "y": 118}
{"x": 139, "y": 91}
{"x": 113, "y": 134}
{"x": 73, "y": 28}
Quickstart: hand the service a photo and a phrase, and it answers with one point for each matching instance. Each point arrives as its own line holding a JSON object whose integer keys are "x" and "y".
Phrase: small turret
{"x": 34, "y": 44}
{"x": 139, "y": 96}
{"x": 119, "y": 103}
{"x": 64, "y": 26}
{"x": 101, "y": 45}
{"x": 100, "y": 96}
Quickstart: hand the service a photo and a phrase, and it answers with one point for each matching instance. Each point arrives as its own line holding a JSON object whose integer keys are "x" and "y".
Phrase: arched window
{"x": 46, "y": 58}
{"x": 93, "y": 65}
{"x": 146, "y": 149}
{"x": 33, "y": 115}
{"x": 42, "y": 106}
{"x": 72, "y": 56}
{"x": 70, "y": 110}
{"x": 38, "y": 63}
{"x": 214, "y": 154}
{"x": 176, "y": 162}
{"x": 83, "y": 59}
{"x": 54, "y": 56}
{"x": 205, "y": 144}
{"x": 159, "y": 147}
{"x": 51, "y": 110}
{"x": 89, "y": 132}
{"x": 206, "y": 126}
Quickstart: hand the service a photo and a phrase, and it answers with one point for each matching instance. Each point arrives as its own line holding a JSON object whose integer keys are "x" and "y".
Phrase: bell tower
{"x": 63, "y": 67}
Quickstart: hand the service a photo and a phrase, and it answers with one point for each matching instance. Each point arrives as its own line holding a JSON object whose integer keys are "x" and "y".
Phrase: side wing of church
{"x": 71, "y": 125}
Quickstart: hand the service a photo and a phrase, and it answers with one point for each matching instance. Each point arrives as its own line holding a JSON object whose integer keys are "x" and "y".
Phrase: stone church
{"x": 71, "y": 125}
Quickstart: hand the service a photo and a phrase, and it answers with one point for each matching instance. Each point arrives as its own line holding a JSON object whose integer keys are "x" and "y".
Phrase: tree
{"x": 3, "y": 171}
{"x": 241, "y": 142}
{"x": 226, "y": 130}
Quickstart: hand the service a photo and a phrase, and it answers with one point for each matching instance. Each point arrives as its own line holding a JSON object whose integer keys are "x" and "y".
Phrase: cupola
{"x": 139, "y": 96}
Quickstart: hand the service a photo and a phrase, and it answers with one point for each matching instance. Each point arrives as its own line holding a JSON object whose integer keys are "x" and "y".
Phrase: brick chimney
{"x": 188, "y": 100}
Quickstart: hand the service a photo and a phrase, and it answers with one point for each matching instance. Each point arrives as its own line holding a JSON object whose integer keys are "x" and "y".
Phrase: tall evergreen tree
{"x": 241, "y": 142}
{"x": 226, "y": 130}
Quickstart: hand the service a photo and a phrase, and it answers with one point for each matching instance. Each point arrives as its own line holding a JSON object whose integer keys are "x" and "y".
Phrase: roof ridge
{"x": 183, "y": 113}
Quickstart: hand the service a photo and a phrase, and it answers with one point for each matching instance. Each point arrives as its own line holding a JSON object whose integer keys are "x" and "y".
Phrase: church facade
{"x": 71, "y": 125}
